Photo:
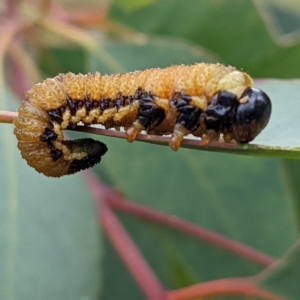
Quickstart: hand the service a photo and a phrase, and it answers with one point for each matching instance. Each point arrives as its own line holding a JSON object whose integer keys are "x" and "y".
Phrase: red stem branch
{"x": 11, "y": 8}
{"x": 139, "y": 268}
{"x": 118, "y": 202}
{"x": 222, "y": 287}
{"x": 125, "y": 247}
{"x": 7, "y": 116}
{"x": 17, "y": 79}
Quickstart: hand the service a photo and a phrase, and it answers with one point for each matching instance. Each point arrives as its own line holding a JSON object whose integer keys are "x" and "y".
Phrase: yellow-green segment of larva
{"x": 210, "y": 101}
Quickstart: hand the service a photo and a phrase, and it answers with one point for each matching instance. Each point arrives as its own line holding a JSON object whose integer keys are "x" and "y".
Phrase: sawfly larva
{"x": 210, "y": 101}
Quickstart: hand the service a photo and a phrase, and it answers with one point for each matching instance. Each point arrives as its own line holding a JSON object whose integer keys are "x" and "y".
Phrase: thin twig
{"x": 192, "y": 143}
{"x": 17, "y": 79}
{"x": 11, "y": 8}
{"x": 7, "y": 116}
{"x": 82, "y": 17}
{"x": 25, "y": 61}
{"x": 118, "y": 202}
{"x": 222, "y": 287}
{"x": 7, "y": 33}
{"x": 45, "y": 8}
{"x": 196, "y": 143}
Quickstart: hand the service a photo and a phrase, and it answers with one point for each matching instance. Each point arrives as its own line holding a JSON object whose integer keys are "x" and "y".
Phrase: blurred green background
{"x": 51, "y": 244}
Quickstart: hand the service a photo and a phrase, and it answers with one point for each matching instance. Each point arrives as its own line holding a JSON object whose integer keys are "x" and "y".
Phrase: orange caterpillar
{"x": 207, "y": 100}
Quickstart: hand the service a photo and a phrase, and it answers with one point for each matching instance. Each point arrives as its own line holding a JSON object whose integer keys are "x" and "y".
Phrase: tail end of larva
{"x": 52, "y": 157}
{"x": 53, "y": 163}
{"x": 91, "y": 150}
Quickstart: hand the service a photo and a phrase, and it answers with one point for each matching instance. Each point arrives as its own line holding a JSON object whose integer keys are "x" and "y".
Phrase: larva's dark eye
{"x": 252, "y": 116}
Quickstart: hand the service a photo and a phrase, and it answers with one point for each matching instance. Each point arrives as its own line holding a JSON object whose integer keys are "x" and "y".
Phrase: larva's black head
{"x": 252, "y": 116}
{"x": 93, "y": 150}
{"x": 219, "y": 110}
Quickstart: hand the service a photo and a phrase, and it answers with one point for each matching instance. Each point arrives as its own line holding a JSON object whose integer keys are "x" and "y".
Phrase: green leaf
{"x": 292, "y": 170}
{"x": 282, "y": 19}
{"x": 149, "y": 52}
{"x": 62, "y": 60}
{"x": 283, "y": 277}
{"x": 243, "y": 198}
{"x": 49, "y": 234}
{"x": 283, "y": 127}
{"x": 232, "y": 29}
{"x": 133, "y": 5}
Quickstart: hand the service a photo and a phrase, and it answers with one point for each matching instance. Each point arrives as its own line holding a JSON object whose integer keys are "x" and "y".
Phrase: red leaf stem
{"x": 117, "y": 201}
{"x": 7, "y": 116}
{"x": 222, "y": 287}
{"x": 124, "y": 245}
{"x": 139, "y": 268}
{"x": 11, "y": 8}
{"x": 18, "y": 81}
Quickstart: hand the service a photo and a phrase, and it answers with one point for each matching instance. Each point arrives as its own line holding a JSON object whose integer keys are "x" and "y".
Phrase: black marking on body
{"x": 73, "y": 105}
{"x": 180, "y": 99}
{"x": 94, "y": 149}
{"x": 138, "y": 93}
{"x": 85, "y": 163}
{"x": 221, "y": 104}
{"x": 56, "y": 114}
{"x": 212, "y": 123}
{"x": 120, "y": 100}
{"x": 188, "y": 115}
{"x": 48, "y": 135}
{"x": 149, "y": 115}
{"x": 107, "y": 103}
{"x": 123, "y": 100}
{"x": 220, "y": 111}
{"x": 56, "y": 154}
{"x": 88, "y": 104}
{"x": 103, "y": 104}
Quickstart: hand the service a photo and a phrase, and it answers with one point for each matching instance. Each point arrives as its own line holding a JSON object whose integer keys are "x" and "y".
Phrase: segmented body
{"x": 202, "y": 99}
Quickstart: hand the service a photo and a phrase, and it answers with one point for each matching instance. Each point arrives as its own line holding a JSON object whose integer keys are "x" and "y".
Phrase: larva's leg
{"x": 149, "y": 115}
{"x": 177, "y": 136}
{"x": 134, "y": 130}
{"x": 187, "y": 121}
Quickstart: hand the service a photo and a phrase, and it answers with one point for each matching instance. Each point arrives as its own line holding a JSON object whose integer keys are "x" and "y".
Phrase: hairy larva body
{"x": 207, "y": 100}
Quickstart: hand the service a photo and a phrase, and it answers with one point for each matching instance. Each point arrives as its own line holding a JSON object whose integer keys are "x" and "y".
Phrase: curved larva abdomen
{"x": 31, "y": 125}
{"x": 211, "y": 101}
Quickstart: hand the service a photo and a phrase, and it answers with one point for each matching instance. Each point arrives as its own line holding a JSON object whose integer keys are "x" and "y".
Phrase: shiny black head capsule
{"x": 252, "y": 116}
